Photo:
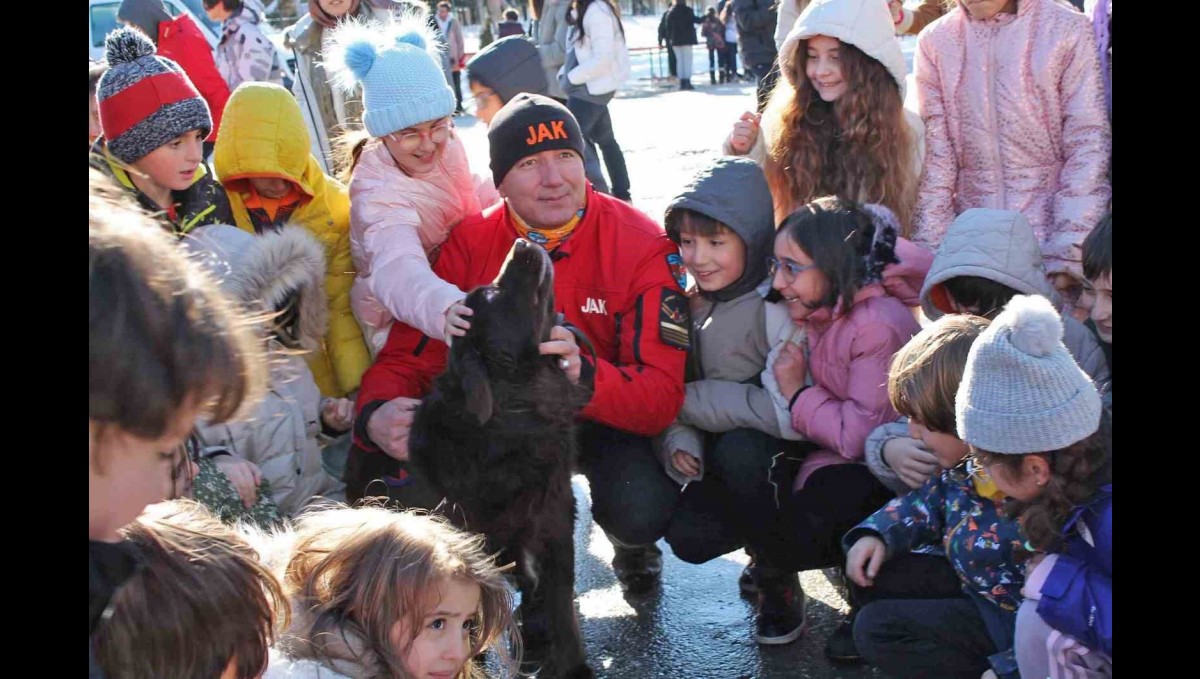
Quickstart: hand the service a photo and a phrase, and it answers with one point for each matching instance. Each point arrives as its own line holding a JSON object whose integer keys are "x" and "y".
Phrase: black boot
{"x": 721, "y": 77}
{"x": 637, "y": 567}
{"x": 840, "y": 646}
{"x": 712, "y": 77}
{"x": 781, "y": 606}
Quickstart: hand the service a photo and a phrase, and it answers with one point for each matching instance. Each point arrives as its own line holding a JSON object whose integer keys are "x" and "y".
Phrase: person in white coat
{"x": 596, "y": 65}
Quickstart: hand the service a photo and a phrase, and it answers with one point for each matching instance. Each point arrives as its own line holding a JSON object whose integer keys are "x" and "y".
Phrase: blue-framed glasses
{"x": 790, "y": 268}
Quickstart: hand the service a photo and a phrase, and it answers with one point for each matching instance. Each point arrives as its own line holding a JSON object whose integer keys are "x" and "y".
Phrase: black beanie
{"x": 529, "y": 124}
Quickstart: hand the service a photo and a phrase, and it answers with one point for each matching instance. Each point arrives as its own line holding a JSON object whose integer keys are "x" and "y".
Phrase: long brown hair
{"x": 1076, "y": 474}
{"x": 859, "y": 146}
{"x": 357, "y": 572}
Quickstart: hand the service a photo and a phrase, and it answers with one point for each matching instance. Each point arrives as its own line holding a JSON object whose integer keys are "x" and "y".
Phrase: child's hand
{"x": 243, "y": 475}
{"x": 791, "y": 369}
{"x": 337, "y": 413}
{"x": 745, "y": 132}
{"x": 685, "y": 464}
{"x": 868, "y": 552}
{"x": 911, "y": 460}
{"x": 457, "y": 324}
{"x": 895, "y": 6}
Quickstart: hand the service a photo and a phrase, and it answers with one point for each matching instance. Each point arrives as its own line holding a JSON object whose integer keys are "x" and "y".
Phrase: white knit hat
{"x": 1022, "y": 391}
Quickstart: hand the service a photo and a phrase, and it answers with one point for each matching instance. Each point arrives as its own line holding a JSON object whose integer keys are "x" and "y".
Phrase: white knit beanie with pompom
{"x": 1022, "y": 391}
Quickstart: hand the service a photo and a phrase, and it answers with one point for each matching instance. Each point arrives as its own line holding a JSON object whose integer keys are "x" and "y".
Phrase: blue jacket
{"x": 1077, "y": 595}
{"x": 948, "y": 511}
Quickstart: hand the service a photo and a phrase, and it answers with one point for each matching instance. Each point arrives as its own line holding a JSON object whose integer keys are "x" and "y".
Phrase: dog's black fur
{"x": 496, "y": 437}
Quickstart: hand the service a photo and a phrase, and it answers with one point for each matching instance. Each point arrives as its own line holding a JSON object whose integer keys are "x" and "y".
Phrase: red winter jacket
{"x": 181, "y": 41}
{"x": 612, "y": 280}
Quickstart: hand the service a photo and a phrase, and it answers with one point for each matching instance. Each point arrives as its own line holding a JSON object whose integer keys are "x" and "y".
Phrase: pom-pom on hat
{"x": 398, "y": 65}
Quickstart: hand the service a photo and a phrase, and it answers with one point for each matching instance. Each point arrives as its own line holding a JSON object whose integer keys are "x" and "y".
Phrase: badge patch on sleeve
{"x": 673, "y": 320}
{"x": 678, "y": 269}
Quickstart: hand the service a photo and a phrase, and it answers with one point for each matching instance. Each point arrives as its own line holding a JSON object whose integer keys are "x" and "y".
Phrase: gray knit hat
{"x": 145, "y": 100}
{"x": 1022, "y": 392}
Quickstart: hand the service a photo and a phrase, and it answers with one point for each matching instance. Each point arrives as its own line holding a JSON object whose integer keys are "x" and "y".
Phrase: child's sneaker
{"x": 781, "y": 607}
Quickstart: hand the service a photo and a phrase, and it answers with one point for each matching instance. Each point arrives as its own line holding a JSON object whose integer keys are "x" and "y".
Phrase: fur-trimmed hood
{"x": 262, "y": 271}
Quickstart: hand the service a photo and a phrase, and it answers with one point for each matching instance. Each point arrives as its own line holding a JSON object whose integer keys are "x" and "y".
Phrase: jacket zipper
{"x": 697, "y": 364}
{"x": 950, "y": 536}
{"x": 999, "y": 166}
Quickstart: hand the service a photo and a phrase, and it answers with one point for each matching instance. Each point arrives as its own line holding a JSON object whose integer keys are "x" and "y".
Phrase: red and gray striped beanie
{"x": 145, "y": 100}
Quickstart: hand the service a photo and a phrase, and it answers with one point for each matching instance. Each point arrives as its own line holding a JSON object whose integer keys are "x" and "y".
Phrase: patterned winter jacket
{"x": 244, "y": 53}
{"x": 977, "y": 539}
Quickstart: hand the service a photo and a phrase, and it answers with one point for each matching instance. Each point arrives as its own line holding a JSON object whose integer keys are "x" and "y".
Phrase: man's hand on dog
{"x": 457, "y": 324}
{"x": 562, "y": 344}
{"x": 390, "y": 424}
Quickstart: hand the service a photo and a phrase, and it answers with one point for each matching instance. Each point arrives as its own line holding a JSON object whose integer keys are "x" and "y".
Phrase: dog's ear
{"x": 477, "y": 386}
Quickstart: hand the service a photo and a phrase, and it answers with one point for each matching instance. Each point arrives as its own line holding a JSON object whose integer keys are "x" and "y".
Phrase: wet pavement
{"x": 696, "y": 625}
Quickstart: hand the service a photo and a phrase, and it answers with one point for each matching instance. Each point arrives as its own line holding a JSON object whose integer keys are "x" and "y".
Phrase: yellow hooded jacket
{"x": 263, "y": 135}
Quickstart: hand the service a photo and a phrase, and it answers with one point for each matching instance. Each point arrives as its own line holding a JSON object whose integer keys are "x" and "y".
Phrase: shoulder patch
{"x": 678, "y": 269}
{"x": 673, "y": 320}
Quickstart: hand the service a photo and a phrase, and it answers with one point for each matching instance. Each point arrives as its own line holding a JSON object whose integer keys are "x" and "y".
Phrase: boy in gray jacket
{"x": 726, "y": 442}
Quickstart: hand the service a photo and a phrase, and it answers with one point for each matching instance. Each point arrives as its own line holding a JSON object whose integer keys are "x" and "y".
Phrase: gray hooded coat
{"x": 734, "y": 330}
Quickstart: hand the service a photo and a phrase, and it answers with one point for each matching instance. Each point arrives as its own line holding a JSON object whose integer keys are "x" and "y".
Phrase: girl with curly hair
{"x": 835, "y": 123}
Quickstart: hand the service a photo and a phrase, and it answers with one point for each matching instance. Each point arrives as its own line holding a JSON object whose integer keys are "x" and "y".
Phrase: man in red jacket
{"x": 181, "y": 41}
{"x": 614, "y": 281}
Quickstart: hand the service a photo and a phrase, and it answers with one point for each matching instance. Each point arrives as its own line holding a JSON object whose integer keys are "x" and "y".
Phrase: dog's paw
{"x": 580, "y": 672}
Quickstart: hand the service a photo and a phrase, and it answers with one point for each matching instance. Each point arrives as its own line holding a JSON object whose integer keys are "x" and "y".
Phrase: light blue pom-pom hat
{"x": 398, "y": 65}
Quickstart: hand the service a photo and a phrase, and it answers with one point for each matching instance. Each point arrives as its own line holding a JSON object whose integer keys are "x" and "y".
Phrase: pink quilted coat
{"x": 397, "y": 224}
{"x": 1015, "y": 120}
{"x": 848, "y": 358}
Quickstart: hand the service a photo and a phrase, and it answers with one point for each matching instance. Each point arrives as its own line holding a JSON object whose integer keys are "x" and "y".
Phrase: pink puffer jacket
{"x": 397, "y": 224}
{"x": 848, "y": 358}
{"x": 1014, "y": 120}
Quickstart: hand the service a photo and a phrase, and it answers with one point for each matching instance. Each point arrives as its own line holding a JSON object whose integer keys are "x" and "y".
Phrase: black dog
{"x": 496, "y": 437}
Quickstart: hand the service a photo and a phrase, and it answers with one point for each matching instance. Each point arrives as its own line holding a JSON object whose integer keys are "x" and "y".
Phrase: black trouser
{"x": 943, "y": 638}
{"x": 672, "y": 67}
{"x": 457, "y": 76}
{"x": 596, "y": 125}
{"x": 730, "y": 59}
{"x": 712, "y": 58}
{"x": 632, "y": 497}
{"x": 717, "y": 513}
{"x": 807, "y": 532}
